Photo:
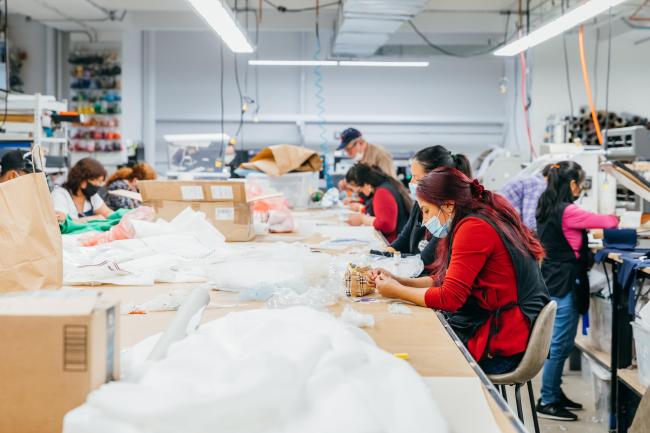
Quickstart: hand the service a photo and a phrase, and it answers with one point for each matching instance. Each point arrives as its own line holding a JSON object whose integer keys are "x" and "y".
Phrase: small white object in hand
{"x": 398, "y": 308}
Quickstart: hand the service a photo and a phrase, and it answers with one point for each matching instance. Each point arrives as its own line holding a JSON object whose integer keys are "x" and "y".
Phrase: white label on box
{"x": 220, "y": 192}
{"x": 224, "y": 214}
{"x": 192, "y": 192}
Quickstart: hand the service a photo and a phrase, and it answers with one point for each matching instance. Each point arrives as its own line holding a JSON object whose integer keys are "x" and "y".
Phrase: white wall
{"x": 37, "y": 41}
{"x": 629, "y": 76}
{"x": 454, "y": 102}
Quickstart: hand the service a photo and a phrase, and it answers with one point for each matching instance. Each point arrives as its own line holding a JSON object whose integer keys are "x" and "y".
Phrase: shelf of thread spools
{"x": 95, "y": 93}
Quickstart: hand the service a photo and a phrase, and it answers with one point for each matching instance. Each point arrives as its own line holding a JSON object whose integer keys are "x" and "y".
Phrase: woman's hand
{"x": 388, "y": 287}
{"x": 376, "y": 273}
{"x": 391, "y": 250}
{"x": 355, "y": 206}
{"x": 355, "y": 219}
{"x": 60, "y": 217}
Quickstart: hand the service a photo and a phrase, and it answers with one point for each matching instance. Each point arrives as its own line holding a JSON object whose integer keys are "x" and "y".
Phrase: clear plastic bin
{"x": 600, "y": 380}
{"x": 642, "y": 344}
{"x": 296, "y": 187}
{"x": 600, "y": 323}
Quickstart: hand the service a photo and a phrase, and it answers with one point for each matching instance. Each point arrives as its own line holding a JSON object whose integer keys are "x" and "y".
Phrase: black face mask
{"x": 90, "y": 190}
{"x": 364, "y": 197}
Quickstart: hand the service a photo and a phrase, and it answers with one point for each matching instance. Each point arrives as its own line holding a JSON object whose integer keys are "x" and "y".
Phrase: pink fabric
{"x": 575, "y": 220}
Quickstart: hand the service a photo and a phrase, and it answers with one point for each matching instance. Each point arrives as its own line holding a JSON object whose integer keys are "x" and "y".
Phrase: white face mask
{"x": 358, "y": 157}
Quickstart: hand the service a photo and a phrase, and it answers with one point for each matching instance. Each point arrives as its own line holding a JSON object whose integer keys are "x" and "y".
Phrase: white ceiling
{"x": 446, "y": 19}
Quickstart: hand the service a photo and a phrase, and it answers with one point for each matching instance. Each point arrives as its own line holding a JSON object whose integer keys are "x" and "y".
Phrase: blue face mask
{"x": 413, "y": 187}
{"x": 436, "y": 229}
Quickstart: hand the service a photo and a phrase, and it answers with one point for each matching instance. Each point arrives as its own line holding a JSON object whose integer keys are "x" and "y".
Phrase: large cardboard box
{"x": 55, "y": 348}
{"x": 223, "y": 202}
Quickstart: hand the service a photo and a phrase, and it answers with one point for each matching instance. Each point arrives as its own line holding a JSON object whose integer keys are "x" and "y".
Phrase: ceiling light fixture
{"x": 558, "y": 26}
{"x": 386, "y": 64}
{"x": 219, "y": 17}
{"x": 292, "y": 62}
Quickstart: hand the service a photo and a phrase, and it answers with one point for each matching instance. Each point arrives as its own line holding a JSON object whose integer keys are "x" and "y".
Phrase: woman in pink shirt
{"x": 562, "y": 227}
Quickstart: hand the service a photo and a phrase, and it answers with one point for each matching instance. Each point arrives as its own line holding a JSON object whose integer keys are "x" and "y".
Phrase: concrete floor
{"x": 577, "y": 389}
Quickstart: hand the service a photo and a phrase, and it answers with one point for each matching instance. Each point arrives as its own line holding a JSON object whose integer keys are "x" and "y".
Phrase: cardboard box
{"x": 223, "y": 202}
{"x": 56, "y": 348}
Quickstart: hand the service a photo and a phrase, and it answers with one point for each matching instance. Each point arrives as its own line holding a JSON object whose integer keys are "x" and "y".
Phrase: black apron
{"x": 403, "y": 212}
{"x": 562, "y": 271}
{"x": 532, "y": 295}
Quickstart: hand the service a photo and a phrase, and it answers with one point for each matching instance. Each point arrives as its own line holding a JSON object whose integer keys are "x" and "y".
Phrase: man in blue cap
{"x": 358, "y": 149}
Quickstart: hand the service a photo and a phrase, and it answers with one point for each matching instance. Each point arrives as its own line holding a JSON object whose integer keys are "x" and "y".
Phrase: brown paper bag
{"x": 284, "y": 158}
{"x": 30, "y": 241}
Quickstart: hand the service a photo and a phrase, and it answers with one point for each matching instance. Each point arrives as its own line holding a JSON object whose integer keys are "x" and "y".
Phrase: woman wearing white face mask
{"x": 414, "y": 238}
{"x": 486, "y": 272}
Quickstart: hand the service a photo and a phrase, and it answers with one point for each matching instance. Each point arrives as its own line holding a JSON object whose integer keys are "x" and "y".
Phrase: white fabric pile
{"x": 162, "y": 252}
{"x": 295, "y": 370}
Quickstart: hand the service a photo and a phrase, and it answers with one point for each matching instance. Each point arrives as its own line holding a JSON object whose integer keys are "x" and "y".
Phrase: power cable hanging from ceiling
{"x": 320, "y": 103}
{"x": 446, "y": 52}
{"x": 566, "y": 70}
{"x": 284, "y": 9}
{"x": 609, "y": 64}
{"x": 585, "y": 77}
{"x": 242, "y": 107}
{"x": 525, "y": 99}
{"x": 221, "y": 95}
{"x": 6, "y": 60}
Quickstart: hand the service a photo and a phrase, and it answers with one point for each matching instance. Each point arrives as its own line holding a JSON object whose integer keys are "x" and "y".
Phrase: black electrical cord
{"x": 451, "y": 53}
{"x": 566, "y": 69}
{"x": 221, "y": 96}
{"x": 609, "y": 64}
{"x": 7, "y": 80}
{"x": 285, "y": 9}
{"x": 241, "y": 96}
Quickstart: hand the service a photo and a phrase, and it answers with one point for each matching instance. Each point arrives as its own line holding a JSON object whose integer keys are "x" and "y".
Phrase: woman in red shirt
{"x": 486, "y": 274}
{"x": 388, "y": 205}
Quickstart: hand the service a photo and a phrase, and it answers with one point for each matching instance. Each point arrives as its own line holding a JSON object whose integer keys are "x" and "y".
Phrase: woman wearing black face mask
{"x": 78, "y": 197}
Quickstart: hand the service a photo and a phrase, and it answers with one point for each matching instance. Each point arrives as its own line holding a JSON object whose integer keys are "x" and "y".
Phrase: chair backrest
{"x": 537, "y": 350}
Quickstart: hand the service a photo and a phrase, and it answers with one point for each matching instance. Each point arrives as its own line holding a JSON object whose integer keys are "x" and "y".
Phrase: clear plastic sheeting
{"x": 353, "y": 317}
{"x": 271, "y": 266}
{"x": 289, "y": 371}
{"x": 398, "y": 308}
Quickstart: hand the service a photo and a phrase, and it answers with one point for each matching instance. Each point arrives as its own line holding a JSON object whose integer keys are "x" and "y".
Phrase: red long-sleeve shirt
{"x": 481, "y": 267}
{"x": 386, "y": 212}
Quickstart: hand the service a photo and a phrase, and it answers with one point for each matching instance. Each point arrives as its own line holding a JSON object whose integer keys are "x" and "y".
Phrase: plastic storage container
{"x": 642, "y": 344}
{"x": 600, "y": 380}
{"x": 600, "y": 323}
{"x": 296, "y": 187}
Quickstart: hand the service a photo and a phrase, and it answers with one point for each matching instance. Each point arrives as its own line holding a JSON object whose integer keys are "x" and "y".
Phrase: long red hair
{"x": 446, "y": 184}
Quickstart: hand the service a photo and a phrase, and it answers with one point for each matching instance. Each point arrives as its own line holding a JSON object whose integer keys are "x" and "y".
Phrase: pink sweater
{"x": 574, "y": 220}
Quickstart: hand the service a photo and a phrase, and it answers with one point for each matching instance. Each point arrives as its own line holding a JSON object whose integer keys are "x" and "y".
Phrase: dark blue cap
{"x": 347, "y": 136}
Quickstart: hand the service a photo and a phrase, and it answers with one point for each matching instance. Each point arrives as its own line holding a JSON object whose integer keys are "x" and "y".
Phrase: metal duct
{"x": 364, "y": 26}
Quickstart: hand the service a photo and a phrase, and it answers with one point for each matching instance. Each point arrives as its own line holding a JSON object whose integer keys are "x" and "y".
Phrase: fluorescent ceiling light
{"x": 336, "y": 63}
{"x": 385, "y": 64}
{"x": 558, "y": 26}
{"x": 218, "y": 16}
{"x": 292, "y": 63}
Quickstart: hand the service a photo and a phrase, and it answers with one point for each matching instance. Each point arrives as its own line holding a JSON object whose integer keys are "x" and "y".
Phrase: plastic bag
{"x": 123, "y": 230}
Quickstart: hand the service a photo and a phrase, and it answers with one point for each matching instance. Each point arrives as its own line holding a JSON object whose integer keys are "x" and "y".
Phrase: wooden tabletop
{"x": 421, "y": 334}
{"x": 631, "y": 377}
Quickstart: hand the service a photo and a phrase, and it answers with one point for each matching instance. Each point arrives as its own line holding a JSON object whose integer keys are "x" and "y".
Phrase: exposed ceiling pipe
{"x": 91, "y": 32}
{"x": 110, "y": 14}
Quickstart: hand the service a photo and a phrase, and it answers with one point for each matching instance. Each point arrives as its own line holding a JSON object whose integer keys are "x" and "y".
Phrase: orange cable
{"x": 585, "y": 76}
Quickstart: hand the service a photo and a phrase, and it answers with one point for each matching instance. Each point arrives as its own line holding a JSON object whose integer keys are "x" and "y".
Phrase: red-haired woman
{"x": 486, "y": 272}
